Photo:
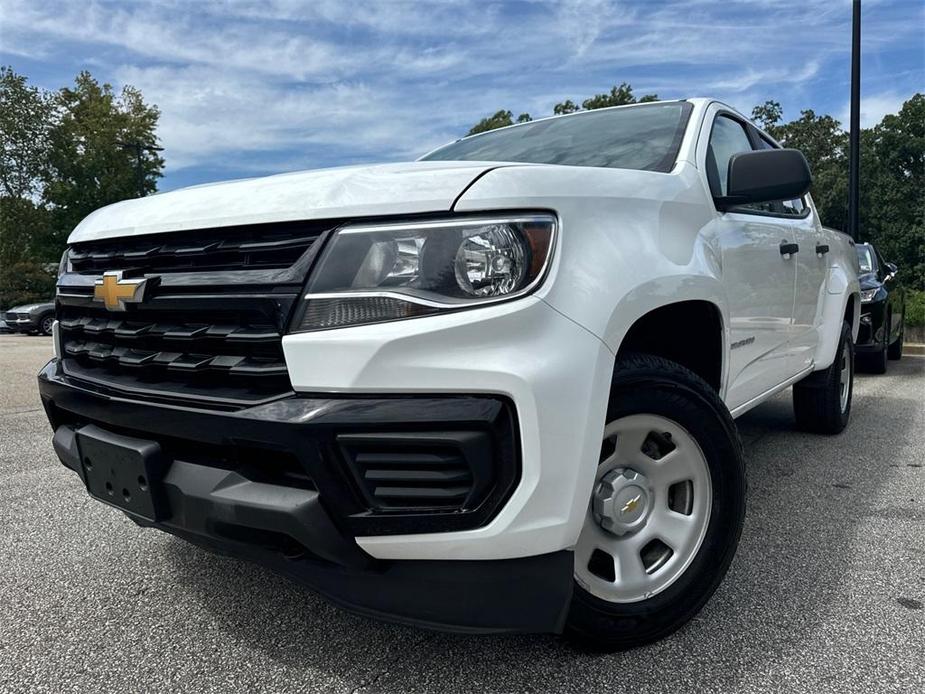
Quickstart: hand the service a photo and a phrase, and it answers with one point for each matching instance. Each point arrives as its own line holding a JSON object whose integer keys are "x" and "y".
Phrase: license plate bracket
{"x": 123, "y": 471}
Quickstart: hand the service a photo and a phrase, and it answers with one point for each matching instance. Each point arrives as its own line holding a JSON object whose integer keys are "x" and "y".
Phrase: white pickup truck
{"x": 490, "y": 390}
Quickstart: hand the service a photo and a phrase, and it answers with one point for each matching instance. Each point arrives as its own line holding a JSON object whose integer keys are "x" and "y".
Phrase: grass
{"x": 915, "y": 307}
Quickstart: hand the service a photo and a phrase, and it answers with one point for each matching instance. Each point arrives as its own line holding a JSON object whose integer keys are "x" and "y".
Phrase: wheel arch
{"x": 847, "y": 306}
{"x": 690, "y": 331}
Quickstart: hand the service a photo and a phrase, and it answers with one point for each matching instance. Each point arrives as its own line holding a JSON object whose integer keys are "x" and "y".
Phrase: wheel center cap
{"x": 621, "y": 501}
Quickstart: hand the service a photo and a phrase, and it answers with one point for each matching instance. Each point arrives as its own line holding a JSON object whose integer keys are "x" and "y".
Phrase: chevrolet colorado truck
{"x": 490, "y": 390}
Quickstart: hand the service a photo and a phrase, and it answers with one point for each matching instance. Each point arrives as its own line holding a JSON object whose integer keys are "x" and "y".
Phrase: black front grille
{"x": 213, "y": 249}
{"x": 210, "y": 326}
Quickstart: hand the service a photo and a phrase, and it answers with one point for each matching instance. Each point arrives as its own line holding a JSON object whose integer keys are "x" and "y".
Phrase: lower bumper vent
{"x": 420, "y": 472}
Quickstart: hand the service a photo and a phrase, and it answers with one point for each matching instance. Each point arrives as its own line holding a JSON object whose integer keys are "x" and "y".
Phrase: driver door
{"x": 758, "y": 277}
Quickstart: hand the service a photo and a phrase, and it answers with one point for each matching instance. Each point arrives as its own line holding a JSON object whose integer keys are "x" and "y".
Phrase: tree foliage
{"x": 500, "y": 119}
{"x": 892, "y": 210}
{"x": 892, "y": 177}
{"x": 61, "y": 157}
{"x": 25, "y": 122}
{"x": 825, "y": 146}
{"x": 23, "y": 277}
{"x": 567, "y": 106}
{"x": 89, "y": 165}
{"x": 617, "y": 96}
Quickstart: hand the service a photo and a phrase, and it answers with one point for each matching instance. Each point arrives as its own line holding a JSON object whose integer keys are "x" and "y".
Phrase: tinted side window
{"x": 882, "y": 269}
{"x": 865, "y": 258}
{"x": 727, "y": 138}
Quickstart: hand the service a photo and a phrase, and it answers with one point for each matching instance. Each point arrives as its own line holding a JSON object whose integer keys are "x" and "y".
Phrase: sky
{"x": 255, "y": 87}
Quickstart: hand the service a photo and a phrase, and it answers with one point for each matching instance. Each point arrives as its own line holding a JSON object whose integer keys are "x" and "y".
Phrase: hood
{"x": 351, "y": 191}
{"x": 28, "y": 308}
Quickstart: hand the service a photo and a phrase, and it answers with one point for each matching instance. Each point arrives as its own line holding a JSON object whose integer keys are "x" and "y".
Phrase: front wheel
{"x": 895, "y": 350}
{"x": 666, "y": 510}
{"x": 46, "y": 324}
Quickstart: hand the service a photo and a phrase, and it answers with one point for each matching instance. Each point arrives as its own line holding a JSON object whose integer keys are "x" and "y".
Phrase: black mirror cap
{"x": 892, "y": 268}
{"x": 766, "y": 175}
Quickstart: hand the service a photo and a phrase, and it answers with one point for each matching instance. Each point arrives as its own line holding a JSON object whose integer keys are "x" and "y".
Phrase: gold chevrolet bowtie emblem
{"x": 631, "y": 505}
{"x": 116, "y": 292}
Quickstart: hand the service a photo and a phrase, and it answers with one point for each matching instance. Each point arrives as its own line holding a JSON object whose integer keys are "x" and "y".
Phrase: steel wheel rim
{"x": 624, "y": 562}
{"x": 47, "y": 325}
{"x": 844, "y": 378}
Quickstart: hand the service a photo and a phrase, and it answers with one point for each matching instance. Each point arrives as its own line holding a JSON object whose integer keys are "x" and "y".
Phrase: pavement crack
{"x": 12, "y": 412}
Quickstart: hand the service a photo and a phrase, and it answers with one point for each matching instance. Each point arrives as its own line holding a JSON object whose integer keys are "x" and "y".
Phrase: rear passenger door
{"x": 758, "y": 277}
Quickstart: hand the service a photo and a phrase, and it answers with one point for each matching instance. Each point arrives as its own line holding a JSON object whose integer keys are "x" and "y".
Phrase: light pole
{"x": 138, "y": 148}
{"x": 854, "y": 127}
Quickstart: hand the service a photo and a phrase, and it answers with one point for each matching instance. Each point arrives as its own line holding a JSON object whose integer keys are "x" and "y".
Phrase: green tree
{"x": 500, "y": 119}
{"x": 617, "y": 96}
{"x": 567, "y": 106}
{"x": 25, "y": 120}
{"x": 892, "y": 209}
{"x": 892, "y": 177}
{"x": 825, "y": 146}
{"x": 89, "y": 166}
{"x": 23, "y": 277}
{"x": 768, "y": 115}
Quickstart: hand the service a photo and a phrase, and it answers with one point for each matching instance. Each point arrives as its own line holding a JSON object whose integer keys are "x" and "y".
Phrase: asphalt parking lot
{"x": 825, "y": 595}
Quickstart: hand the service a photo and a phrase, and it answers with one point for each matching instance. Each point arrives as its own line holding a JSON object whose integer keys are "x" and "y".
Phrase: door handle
{"x": 822, "y": 249}
{"x": 788, "y": 249}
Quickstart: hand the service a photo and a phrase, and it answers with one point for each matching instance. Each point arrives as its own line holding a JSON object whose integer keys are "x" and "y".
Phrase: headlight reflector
{"x": 867, "y": 295}
{"x": 371, "y": 273}
{"x": 490, "y": 262}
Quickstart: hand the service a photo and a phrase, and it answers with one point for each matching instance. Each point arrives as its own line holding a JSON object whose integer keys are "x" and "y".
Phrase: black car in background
{"x": 31, "y": 318}
{"x": 883, "y": 311}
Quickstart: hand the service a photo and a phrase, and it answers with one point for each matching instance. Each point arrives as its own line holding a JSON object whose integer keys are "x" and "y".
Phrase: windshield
{"x": 645, "y": 137}
{"x": 865, "y": 258}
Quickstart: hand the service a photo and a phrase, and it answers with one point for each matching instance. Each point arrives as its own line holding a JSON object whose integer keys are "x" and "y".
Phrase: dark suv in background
{"x": 31, "y": 318}
{"x": 883, "y": 311}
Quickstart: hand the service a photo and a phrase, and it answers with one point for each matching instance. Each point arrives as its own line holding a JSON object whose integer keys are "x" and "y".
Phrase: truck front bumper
{"x": 265, "y": 484}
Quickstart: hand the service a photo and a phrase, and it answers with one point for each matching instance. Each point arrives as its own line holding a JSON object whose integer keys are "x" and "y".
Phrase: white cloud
{"x": 873, "y": 108}
{"x": 255, "y": 85}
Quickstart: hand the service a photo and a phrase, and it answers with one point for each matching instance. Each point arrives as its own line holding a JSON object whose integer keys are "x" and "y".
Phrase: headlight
{"x": 371, "y": 273}
{"x": 65, "y": 263}
{"x": 867, "y": 295}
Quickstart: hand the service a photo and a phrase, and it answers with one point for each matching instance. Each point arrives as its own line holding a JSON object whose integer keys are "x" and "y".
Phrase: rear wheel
{"x": 876, "y": 362}
{"x": 665, "y": 512}
{"x": 822, "y": 401}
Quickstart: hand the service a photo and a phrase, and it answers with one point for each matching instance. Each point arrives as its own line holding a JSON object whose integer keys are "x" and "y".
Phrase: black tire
{"x": 45, "y": 324}
{"x": 817, "y": 402}
{"x": 875, "y": 363}
{"x": 895, "y": 350}
{"x": 648, "y": 384}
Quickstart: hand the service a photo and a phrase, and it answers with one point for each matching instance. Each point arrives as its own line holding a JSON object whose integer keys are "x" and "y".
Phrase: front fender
{"x": 661, "y": 292}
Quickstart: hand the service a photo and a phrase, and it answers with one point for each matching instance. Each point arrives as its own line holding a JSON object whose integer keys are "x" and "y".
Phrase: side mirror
{"x": 891, "y": 270}
{"x": 765, "y": 175}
